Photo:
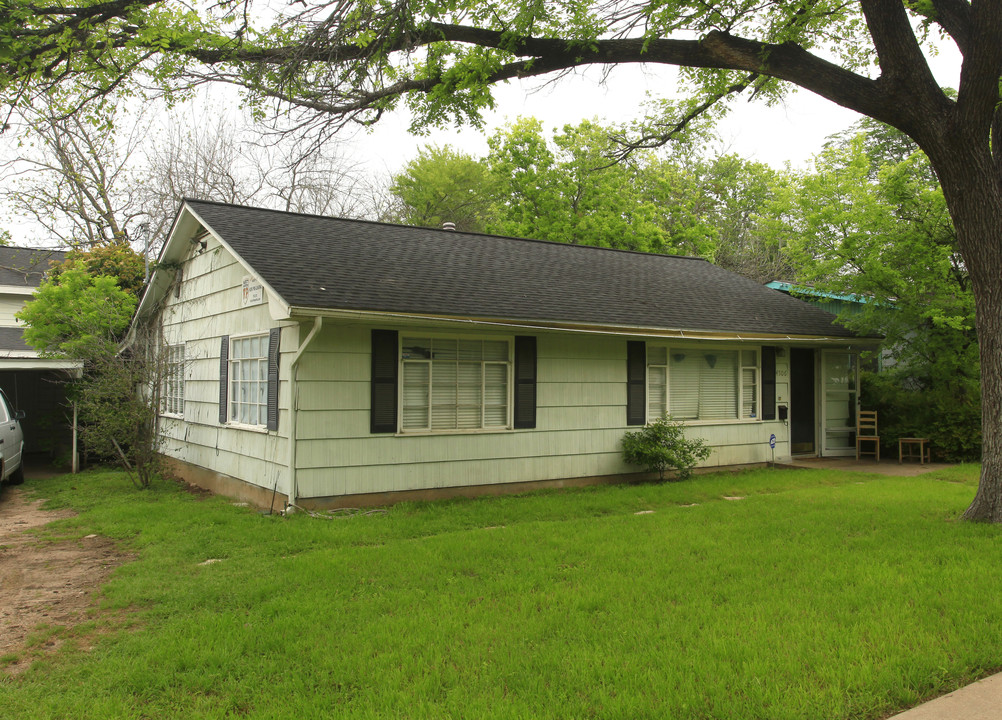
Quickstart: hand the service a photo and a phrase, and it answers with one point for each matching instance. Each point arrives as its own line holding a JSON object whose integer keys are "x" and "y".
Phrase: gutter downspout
{"x": 293, "y": 490}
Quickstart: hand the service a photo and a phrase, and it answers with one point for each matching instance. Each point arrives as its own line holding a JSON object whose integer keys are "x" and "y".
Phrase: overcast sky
{"x": 790, "y": 132}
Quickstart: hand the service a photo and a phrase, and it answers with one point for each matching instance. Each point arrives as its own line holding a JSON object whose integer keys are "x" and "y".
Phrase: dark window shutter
{"x": 274, "y": 338}
{"x": 385, "y": 363}
{"x": 768, "y": 383}
{"x": 224, "y": 376}
{"x": 525, "y": 381}
{"x": 636, "y": 382}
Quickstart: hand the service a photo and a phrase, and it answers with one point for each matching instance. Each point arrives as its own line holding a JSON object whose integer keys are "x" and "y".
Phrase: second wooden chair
{"x": 866, "y": 432}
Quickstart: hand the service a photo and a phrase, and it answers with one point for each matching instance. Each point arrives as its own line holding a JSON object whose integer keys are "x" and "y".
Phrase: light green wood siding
{"x": 581, "y": 419}
{"x": 207, "y": 307}
{"x": 10, "y": 305}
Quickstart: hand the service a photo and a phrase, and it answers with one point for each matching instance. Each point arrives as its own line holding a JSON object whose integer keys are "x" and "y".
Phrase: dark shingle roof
{"x": 12, "y": 338}
{"x": 331, "y": 263}
{"x": 26, "y": 266}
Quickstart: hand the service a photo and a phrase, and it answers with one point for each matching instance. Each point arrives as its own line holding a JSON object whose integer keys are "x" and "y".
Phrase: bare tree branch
{"x": 674, "y": 129}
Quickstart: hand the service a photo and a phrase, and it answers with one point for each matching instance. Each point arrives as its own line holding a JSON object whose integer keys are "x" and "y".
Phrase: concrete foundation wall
{"x": 241, "y": 491}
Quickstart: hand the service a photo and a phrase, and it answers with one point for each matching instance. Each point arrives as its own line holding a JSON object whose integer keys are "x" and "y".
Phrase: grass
{"x": 819, "y": 595}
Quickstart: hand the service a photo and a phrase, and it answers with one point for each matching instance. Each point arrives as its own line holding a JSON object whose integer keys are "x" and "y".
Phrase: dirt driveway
{"x": 43, "y": 582}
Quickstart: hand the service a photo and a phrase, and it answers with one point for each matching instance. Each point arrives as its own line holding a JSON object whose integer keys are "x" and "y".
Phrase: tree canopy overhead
{"x": 343, "y": 61}
{"x": 352, "y": 61}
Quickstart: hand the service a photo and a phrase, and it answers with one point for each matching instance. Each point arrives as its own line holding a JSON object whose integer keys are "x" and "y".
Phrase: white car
{"x": 11, "y": 442}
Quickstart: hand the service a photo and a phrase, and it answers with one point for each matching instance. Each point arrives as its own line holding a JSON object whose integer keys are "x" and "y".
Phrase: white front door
{"x": 840, "y": 400}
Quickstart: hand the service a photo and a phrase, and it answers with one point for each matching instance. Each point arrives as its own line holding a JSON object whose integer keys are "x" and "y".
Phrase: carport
{"x": 38, "y": 386}
{"x": 34, "y": 384}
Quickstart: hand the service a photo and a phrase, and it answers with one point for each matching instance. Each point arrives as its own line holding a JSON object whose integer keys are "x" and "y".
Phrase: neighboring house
{"x": 341, "y": 362}
{"x": 33, "y": 384}
{"x": 835, "y": 303}
{"x": 843, "y": 304}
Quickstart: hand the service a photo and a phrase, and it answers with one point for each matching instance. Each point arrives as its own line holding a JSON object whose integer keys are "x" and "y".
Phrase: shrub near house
{"x": 662, "y": 445}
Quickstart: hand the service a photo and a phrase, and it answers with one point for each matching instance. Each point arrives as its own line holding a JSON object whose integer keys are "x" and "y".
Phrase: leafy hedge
{"x": 950, "y": 416}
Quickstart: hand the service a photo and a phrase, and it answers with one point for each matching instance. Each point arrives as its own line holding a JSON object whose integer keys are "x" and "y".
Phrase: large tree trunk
{"x": 973, "y": 193}
{"x": 987, "y": 505}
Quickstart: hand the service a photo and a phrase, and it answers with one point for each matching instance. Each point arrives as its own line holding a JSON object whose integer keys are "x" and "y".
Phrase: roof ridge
{"x": 382, "y": 223}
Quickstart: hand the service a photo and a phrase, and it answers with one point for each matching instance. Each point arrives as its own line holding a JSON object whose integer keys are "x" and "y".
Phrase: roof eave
{"x": 156, "y": 285}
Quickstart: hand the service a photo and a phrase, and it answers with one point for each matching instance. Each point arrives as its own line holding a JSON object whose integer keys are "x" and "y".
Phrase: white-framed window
{"x": 172, "y": 388}
{"x": 703, "y": 383}
{"x": 657, "y": 382}
{"x": 248, "y": 375}
{"x": 449, "y": 384}
{"x": 750, "y": 373}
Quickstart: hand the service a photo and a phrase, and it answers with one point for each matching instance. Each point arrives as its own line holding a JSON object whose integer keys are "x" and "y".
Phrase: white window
{"x": 702, "y": 383}
{"x": 248, "y": 375}
{"x": 172, "y": 389}
{"x": 454, "y": 384}
{"x": 749, "y": 383}
{"x": 657, "y": 382}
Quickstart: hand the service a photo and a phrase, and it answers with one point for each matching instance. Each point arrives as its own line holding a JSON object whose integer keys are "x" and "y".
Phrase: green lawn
{"x": 819, "y": 595}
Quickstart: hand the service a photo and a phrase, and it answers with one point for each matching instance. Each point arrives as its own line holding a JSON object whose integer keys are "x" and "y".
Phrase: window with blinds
{"x": 749, "y": 384}
{"x": 453, "y": 384}
{"x": 657, "y": 382}
{"x": 702, "y": 383}
{"x": 172, "y": 387}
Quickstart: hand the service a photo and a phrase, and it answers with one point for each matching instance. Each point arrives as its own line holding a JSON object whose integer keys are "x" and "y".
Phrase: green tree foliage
{"x": 114, "y": 259}
{"x": 79, "y": 315}
{"x": 563, "y": 188}
{"x": 346, "y": 62}
{"x": 566, "y": 190}
{"x": 354, "y": 61}
{"x": 679, "y": 206}
{"x": 739, "y": 192}
{"x": 443, "y": 185}
{"x": 713, "y": 207}
{"x": 871, "y": 221}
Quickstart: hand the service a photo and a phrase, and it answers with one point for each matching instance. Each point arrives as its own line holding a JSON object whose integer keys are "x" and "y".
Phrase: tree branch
{"x": 656, "y": 140}
{"x": 904, "y": 71}
{"x": 978, "y": 96}
{"x": 954, "y": 16}
{"x": 545, "y": 55}
{"x": 324, "y": 69}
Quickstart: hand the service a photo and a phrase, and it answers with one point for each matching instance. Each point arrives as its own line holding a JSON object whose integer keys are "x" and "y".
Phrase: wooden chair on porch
{"x": 866, "y": 432}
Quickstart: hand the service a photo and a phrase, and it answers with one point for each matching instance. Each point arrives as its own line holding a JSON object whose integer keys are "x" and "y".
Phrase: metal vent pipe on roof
{"x": 448, "y": 226}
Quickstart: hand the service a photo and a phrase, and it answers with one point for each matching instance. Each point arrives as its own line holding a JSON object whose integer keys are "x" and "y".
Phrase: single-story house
{"x": 345, "y": 362}
{"x": 34, "y": 384}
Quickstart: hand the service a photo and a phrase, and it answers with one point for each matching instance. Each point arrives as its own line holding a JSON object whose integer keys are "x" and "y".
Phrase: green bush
{"x": 949, "y": 415}
{"x": 661, "y": 445}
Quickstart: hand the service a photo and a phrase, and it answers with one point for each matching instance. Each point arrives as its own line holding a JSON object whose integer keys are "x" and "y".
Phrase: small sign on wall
{"x": 253, "y": 292}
